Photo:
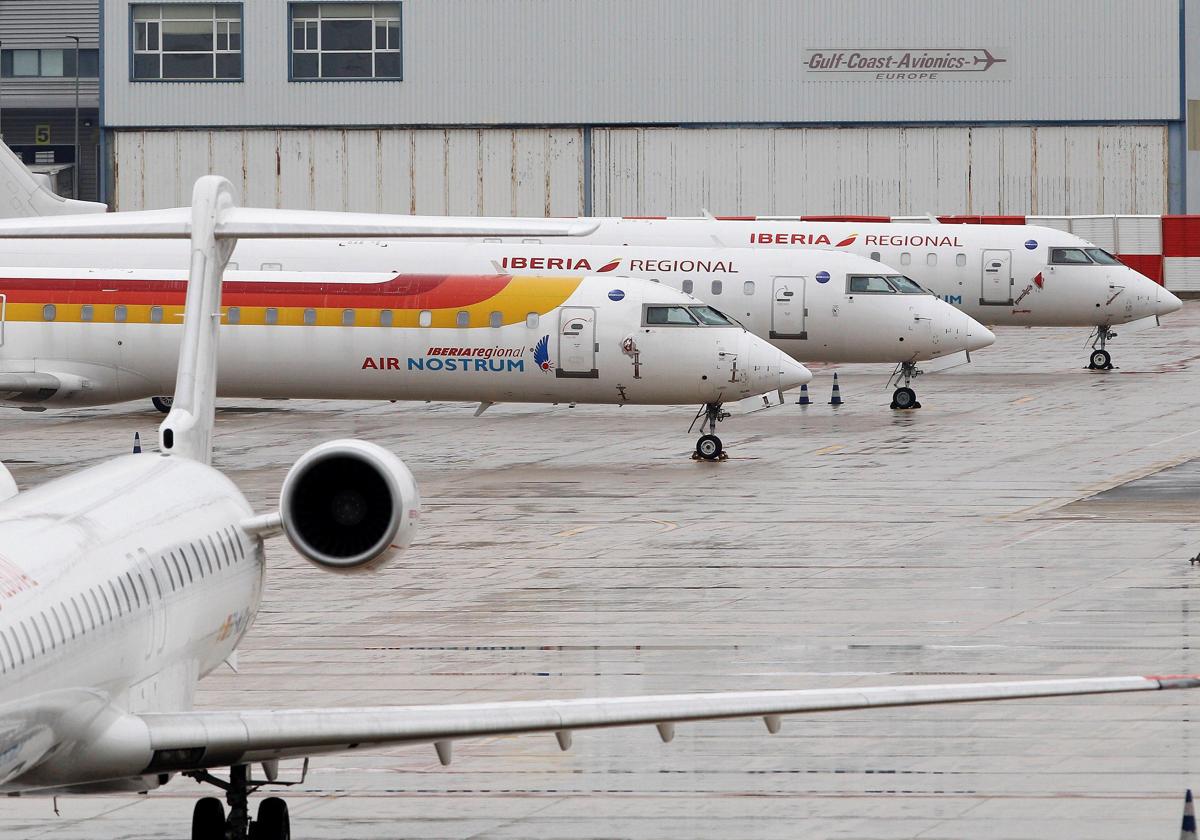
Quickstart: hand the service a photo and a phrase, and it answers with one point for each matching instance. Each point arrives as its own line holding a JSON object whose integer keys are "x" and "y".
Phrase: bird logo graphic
{"x": 609, "y": 266}
{"x": 541, "y": 353}
{"x": 849, "y": 240}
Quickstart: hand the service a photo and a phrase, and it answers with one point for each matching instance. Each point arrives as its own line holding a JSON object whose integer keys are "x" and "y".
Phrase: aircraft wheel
{"x": 273, "y": 822}
{"x": 709, "y": 447}
{"x": 163, "y": 404}
{"x": 1100, "y": 360}
{"x": 208, "y": 819}
{"x": 904, "y": 398}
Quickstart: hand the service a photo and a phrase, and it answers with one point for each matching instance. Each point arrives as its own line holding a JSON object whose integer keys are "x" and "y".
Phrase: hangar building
{"x": 636, "y": 107}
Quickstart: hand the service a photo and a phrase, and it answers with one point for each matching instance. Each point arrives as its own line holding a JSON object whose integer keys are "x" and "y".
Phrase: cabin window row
{"x": 931, "y": 259}
{"x": 716, "y": 287}
{"x": 349, "y": 317}
{"x": 123, "y": 595}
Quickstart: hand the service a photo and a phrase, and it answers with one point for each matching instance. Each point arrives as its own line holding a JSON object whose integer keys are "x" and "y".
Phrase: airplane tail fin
{"x": 22, "y": 195}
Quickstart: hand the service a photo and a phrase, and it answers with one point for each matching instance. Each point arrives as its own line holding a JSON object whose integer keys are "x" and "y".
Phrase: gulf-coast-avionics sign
{"x": 898, "y": 64}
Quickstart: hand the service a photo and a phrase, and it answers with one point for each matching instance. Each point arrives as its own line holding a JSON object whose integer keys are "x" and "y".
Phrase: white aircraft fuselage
{"x": 110, "y": 332}
{"x": 1001, "y": 275}
{"x": 121, "y": 586}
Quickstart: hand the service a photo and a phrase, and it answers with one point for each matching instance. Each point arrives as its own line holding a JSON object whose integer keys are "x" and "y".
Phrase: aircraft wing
{"x": 198, "y": 740}
{"x": 259, "y": 223}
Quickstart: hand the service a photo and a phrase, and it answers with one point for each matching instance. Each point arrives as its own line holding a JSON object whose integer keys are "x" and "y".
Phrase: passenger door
{"x": 788, "y": 311}
{"x": 577, "y": 343}
{"x": 997, "y": 278}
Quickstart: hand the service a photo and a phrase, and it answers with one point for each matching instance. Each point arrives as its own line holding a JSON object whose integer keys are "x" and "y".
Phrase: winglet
{"x": 187, "y": 431}
{"x": 22, "y": 195}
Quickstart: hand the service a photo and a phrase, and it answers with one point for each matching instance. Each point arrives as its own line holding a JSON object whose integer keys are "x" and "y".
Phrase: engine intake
{"x": 349, "y": 504}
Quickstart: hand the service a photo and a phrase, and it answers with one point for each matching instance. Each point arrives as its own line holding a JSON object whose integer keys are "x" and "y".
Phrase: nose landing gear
{"x": 905, "y": 398}
{"x": 1101, "y": 359}
{"x": 708, "y": 447}
{"x": 210, "y": 823}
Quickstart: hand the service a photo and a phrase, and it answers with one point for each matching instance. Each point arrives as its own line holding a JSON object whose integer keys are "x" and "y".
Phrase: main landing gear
{"x": 708, "y": 447}
{"x": 1101, "y": 359}
{"x": 904, "y": 397}
{"x": 210, "y": 823}
{"x": 163, "y": 404}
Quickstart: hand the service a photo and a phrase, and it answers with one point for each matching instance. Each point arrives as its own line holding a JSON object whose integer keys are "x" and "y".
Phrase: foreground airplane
{"x": 1001, "y": 275}
{"x": 106, "y": 629}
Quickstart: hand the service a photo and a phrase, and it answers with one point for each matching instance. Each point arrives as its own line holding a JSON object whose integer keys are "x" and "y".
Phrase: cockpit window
{"x": 869, "y": 284}
{"x": 1103, "y": 257}
{"x": 671, "y": 316}
{"x": 710, "y": 317}
{"x": 908, "y": 286}
{"x": 1068, "y": 256}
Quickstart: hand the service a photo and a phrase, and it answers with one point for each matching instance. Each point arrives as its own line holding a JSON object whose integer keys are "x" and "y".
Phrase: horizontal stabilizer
{"x": 259, "y": 223}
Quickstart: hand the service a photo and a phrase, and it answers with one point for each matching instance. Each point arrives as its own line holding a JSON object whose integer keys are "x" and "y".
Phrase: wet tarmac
{"x": 1033, "y": 519}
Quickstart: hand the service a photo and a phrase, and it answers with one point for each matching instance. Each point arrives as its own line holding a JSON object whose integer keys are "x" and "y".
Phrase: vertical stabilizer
{"x": 187, "y": 431}
{"x": 22, "y": 195}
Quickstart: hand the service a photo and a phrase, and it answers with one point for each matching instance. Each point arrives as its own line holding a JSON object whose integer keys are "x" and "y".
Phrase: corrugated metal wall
{"x": 493, "y": 172}
{"x": 639, "y": 62}
{"x": 1049, "y": 170}
{"x": 538, "y": 172}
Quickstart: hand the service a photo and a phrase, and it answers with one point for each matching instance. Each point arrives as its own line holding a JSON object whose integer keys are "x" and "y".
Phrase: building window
{"x": 345, "y": 41}
{"x": 187, "y": 41}
{"x": 49, "y": 63}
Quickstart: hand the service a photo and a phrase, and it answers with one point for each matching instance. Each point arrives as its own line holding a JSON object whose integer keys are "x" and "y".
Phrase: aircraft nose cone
{"x": 792, "y": 374}
{"x": 1167, "y": 303}
{"x": 978, "y": 336}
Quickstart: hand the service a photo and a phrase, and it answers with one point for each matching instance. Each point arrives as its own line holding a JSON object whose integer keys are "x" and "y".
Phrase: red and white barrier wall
{"x": 1164, "y": 248}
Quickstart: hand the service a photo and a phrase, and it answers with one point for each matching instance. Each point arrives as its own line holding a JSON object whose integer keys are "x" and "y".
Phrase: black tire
{"x": 709, "y": 447}
{"x": 208, "y": 819}
{"x": 163, "y": 404}
{"x": 273, "y": 822}
{"x": 904, "y": 398}
{"x": 1100, "y": 360}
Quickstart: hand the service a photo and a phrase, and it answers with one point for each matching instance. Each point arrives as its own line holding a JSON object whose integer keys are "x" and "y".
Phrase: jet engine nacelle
{"x": 349, "y": 505}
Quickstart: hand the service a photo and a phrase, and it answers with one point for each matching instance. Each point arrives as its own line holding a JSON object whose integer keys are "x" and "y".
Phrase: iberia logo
{"x": 541, "y": 353}
{"x": 609, "y": 266}
{"x": 849, "y": 240}
{"x": 1039, "y": 281}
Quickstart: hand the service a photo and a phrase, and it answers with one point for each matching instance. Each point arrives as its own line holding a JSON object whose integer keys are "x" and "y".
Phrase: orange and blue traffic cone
{"x": 1188, "y": 831}
{"x": 836, "y": 397}
{"x": 804, "y": 400}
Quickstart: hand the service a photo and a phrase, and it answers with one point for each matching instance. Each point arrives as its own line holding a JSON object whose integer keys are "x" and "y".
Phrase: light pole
{"x": 78, "y": 162}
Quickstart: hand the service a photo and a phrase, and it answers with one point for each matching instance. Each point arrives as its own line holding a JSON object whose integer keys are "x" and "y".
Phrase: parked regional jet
{"x": 90, "y": 336}
{"x": 816, "y": 306}
{"x": 1006, "y": 275}
{"x": 106, "y": 629}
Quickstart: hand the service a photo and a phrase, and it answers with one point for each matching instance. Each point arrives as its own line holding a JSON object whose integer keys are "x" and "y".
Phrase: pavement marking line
{"x": 1040, "y": 532}
{"x": 574, "y": 532}
{"x": 828, "y": 449}
{"x": 1177, "y": 437}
